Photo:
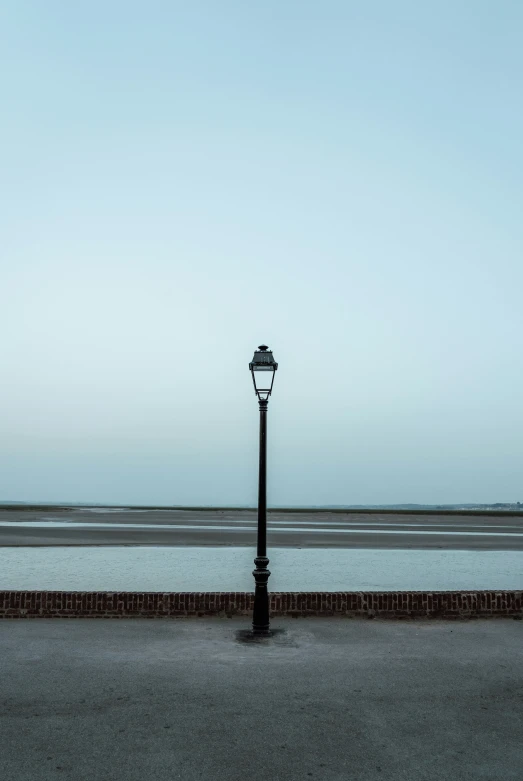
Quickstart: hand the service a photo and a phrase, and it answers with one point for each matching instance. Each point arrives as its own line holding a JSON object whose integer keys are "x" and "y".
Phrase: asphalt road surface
{"x": 121, "y": 526}
{"x": 326, "y": 700}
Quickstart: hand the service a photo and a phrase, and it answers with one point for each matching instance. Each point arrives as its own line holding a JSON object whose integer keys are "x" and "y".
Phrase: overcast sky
{"x": 182, "y": 182}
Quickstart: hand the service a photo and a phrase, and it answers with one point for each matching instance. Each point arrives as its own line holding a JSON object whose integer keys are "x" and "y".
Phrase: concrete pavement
{"x": 329, "y": 699}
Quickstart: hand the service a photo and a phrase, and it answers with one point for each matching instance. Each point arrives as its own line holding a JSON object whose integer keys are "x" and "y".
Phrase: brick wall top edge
{"x": 516, "y": 592}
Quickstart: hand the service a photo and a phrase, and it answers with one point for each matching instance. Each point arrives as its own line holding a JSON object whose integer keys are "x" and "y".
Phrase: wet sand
{"x": 285, "y": 529}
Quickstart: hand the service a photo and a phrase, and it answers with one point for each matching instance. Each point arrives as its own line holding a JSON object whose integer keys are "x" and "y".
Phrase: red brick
{"x": 47, "y": 604}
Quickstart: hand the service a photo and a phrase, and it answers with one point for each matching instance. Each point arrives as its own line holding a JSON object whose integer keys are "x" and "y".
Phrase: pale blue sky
{"x": 184, "y": 181}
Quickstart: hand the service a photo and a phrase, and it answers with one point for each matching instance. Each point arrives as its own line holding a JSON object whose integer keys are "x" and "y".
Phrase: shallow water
{"x": 151, "y": 568}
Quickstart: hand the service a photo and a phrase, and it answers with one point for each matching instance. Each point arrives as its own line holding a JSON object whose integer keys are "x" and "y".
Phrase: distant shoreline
{"x": 411, "y": 510}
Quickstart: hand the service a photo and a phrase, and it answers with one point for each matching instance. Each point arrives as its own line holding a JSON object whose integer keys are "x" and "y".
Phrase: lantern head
{"x": 263, "y": 367}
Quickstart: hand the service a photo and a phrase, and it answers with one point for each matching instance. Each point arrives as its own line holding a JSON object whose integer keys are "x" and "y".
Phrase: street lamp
{"x": 263, "y": 367}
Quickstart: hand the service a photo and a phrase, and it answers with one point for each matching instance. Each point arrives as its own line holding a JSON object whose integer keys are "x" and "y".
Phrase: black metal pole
{"x": 260, "y": 618}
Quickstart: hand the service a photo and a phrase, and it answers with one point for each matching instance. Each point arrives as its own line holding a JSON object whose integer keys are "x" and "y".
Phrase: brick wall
{"x": 389, "y": 604}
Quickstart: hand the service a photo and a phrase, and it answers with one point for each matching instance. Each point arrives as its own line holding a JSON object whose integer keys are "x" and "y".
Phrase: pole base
{"x": 279, "y": 635}
{"x": 250, "y": 636}
{"x": 260, "y": 616}
{"x": 261, "y": 632}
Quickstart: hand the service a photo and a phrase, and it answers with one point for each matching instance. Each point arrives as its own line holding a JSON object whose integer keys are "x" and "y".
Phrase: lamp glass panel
{"x": 263, "y": 380}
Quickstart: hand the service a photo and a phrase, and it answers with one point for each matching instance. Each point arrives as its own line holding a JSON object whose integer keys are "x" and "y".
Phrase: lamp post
{"x": 263, "y": 368}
